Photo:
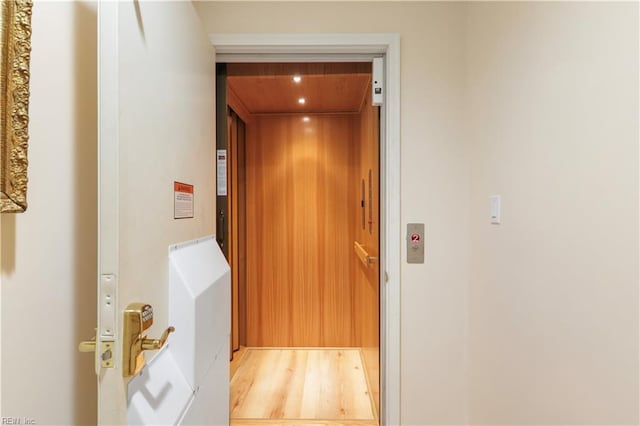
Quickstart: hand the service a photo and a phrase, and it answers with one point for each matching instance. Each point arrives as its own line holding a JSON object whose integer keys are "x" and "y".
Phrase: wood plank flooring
{"x": 237, "y": 359}
{"x": 292, "y": 386}
{"x": 371, "y": 361}
{"x": 302, "y": 423}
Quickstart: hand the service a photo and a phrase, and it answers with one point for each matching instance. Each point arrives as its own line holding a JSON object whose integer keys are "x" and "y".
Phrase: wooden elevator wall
{"x": 367, "y": 277}
{"x": 305, "y": 285}
{"x": 300, "y": 230}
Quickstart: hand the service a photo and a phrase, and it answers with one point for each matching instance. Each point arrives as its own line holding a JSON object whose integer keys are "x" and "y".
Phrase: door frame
{"x": 338, "y": 47}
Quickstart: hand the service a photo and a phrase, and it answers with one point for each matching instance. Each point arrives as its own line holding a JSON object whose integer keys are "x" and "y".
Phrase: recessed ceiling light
{"x": 301, "y": 101}
{"x": 306, "y": 119}
{"x": 297, "y": 79}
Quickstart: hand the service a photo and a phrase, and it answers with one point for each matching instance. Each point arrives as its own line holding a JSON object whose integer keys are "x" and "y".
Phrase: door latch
{"x": 106, "y": 351}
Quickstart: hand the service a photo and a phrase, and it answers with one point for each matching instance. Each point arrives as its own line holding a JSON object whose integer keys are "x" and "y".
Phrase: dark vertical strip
{"x": 362, "y": 204}
{"x": 222, "y": 208}
{"x": 370, "y": 202}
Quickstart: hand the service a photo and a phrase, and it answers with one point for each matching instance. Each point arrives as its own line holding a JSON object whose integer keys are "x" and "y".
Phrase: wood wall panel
{"x": 366, "y": 285}
{"x": 238, "y": 106}
{"x": 367, "y": 278}
{"x": 241, "y": 220}
{"x": 237, "y": 226}
{"x": 234, "y": 242}
{"x": 301, "y": 210}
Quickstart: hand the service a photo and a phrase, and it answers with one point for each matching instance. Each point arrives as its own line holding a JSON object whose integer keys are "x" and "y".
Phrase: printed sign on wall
{"x": 182, "y": 200}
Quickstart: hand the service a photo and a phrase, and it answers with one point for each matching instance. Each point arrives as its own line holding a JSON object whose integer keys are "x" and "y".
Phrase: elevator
{"x": 298, "y": 219}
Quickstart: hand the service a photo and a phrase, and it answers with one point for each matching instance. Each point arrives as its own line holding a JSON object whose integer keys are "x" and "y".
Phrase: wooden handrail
{"x": 363, "y": 255}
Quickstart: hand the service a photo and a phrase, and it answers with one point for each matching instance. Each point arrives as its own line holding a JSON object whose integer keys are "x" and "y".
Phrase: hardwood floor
{"x": 371, "y": 360}
{"x": 293, "y": 386}
{"x": 237, "y": 359}
{"x": 302, "y": 423}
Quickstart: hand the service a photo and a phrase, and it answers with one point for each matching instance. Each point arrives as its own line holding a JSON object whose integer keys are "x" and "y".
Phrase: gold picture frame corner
{"x": 15, "y": 48}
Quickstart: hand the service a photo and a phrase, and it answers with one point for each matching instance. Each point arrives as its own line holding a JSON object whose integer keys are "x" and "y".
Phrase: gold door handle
{"x": 153, "y": 344}
{"x": 138, "y": 317}
{"x": 88, "y": 345}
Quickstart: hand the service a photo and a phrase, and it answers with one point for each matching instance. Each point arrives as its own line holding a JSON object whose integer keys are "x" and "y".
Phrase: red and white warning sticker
{"x": 182, "y": 200}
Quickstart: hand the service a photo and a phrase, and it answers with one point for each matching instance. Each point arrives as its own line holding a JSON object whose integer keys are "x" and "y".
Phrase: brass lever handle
{"x": 153, "y": 344}
{"x": 138, "y": 317}
{"x": 88, "y": 345}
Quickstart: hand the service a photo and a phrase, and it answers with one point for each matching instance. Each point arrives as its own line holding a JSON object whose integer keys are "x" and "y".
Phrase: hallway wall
{"x": 552, "y": 109}
{"x": 49, "y": 253}
{"x": 555, "y": 292}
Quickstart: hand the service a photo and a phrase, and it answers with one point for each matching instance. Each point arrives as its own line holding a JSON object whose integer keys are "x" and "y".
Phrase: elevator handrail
{"x": 363, "y": 255}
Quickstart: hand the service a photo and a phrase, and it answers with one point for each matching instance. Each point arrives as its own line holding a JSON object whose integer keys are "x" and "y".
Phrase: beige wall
{"x": 536, "y": 102}
{"x": 552, "y": 108}
{"x": 435, "y": 178}
{"x": 49, "y": 252}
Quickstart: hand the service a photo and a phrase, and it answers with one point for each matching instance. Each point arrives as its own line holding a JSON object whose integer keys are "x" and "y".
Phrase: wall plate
{"x": 415, "y": 242}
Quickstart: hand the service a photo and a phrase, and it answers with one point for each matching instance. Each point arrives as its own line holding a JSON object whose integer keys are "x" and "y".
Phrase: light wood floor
{"x": 265, "y": 422}
{"x": 237, "y": 359}
{"x": 310, "y": 387}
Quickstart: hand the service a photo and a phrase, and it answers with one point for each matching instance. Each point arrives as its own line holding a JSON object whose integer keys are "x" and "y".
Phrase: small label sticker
{"x": 221, "y": 162}
{"x": 182, "y": 200}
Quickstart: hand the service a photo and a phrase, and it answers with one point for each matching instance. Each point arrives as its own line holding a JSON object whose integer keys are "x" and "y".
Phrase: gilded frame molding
{"x": 15, "y": 37}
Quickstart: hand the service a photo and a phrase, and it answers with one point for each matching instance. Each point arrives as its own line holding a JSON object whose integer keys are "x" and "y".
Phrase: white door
{"x": 157, "y": 129}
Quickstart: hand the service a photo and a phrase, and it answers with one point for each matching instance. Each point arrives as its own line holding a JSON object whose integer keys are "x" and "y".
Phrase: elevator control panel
{"x": 377, "y": 86}
{"x": 415, "y": 242}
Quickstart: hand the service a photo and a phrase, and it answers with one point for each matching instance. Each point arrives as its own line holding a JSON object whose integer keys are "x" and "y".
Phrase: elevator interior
{"x": 298, "y": 218}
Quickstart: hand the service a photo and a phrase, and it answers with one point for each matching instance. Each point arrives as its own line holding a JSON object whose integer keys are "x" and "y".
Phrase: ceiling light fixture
{"x": 302, "y": 101}
{"x": 297, "y": 79}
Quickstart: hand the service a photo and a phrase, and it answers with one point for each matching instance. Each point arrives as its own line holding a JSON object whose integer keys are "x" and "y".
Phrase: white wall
{"x": 49, "y": 252}
{"x": 552, "y": 108}
{"x": 435, "y": 178}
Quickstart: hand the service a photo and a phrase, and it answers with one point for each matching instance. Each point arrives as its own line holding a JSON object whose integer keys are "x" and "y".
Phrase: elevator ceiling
{"x": 325, "y": 87}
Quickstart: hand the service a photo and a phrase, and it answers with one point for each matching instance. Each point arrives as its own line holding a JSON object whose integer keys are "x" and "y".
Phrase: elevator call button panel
{"x": 415, "y": 242}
